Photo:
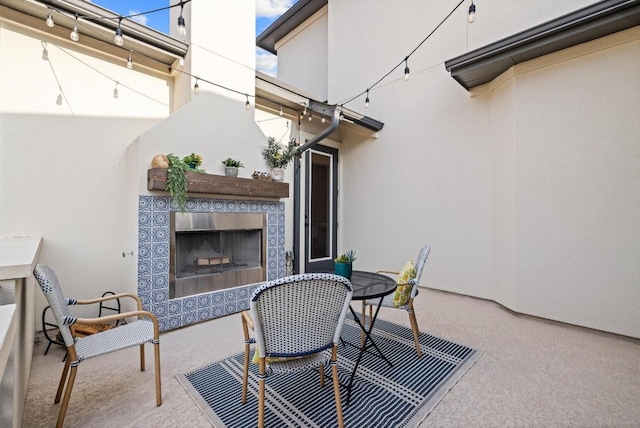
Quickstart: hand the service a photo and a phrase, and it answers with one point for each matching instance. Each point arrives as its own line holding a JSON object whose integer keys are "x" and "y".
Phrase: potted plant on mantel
{"x": 343, "y": 264}
{"x": 278, "y": 158}
{"x": 231, "y": 167}
{"x": 177, "y": 178}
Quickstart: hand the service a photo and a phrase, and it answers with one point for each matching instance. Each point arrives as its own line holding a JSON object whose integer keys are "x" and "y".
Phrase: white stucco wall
{"x": 63, "y": 178}
{"x": 527, "y": 191}
{"x": 305, "y": 56}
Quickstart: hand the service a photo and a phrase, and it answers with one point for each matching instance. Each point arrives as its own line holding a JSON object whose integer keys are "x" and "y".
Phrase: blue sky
{"x": 267, "y": 11}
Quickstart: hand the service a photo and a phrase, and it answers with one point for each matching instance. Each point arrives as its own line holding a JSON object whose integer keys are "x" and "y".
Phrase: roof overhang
{"x": 482, "y": 65}
{"x": 150, "y": 48}
{"x": 273, "y": 95}
{"x": 291, "y": 19}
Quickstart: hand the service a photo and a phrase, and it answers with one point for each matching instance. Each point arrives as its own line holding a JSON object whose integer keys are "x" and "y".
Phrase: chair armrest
{"x": 246, "y": 317}
{"x": 116, "y": 317}
{"x": 113, "y": 297}
{"x": 392, "y": 272}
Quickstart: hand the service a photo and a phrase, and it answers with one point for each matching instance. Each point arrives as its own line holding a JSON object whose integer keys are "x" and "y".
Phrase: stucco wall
{"x": 63, "y": 178}
{"x": 527, "y": 191}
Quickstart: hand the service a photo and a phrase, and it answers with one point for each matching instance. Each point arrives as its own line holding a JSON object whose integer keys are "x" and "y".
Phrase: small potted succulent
{"x": 343, "y": 264}
{"x": 231, "y": 167}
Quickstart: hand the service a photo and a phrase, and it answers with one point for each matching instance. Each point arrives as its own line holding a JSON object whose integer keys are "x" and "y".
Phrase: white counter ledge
{"x": 18, "y": 257}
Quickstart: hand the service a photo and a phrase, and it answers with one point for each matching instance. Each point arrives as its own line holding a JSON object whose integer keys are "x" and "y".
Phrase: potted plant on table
{"x": 343, "y": 264}
{"x": 231, "y": 167}
{"x": 278, "y": 157}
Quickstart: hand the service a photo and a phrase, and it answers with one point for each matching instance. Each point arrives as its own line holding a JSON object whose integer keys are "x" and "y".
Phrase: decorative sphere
{"x": 160, "y": 161}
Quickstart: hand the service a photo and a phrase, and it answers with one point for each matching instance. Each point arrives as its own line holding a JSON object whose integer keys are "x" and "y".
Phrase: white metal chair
{"x": 296, "y": 320}
{"x": 388, "y": 300}
{"x": 144, "y": 329}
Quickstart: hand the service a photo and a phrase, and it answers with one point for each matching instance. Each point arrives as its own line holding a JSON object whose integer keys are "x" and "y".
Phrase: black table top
{"x": 369, "y": 285}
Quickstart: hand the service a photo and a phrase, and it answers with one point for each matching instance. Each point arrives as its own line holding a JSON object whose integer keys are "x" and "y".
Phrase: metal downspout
{"x": 335, "y": 121}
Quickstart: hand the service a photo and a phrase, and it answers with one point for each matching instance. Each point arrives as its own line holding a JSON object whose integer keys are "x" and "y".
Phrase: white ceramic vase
{"x": 277, "y": 174}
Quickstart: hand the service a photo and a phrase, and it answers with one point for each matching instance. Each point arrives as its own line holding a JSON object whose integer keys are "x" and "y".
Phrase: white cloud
{"x": 140, "y": 19}
{"x": 266, "y": 62}
{"x": 272, "y": 8}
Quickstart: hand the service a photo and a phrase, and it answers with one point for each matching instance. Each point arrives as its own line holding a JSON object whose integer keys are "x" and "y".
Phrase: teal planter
{"x": 343, "y": 269}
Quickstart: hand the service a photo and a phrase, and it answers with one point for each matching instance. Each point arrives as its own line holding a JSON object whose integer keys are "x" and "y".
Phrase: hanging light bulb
{"x": 281, "y": 112}
{"x": 74, "y": 34}
{"x": 119, "y": 40}
{"x": 115, "y": 91}
{"x": 247, "y": 105}
{"x": 323, "y": 119}
{"x": 182, "y": 28}
{"x": 196, "y": 88}
{"x": 310, "y": 116}
{"x": 45, "y": 52}
{"x": 304, "y": 111}
{"x": 181, "y": 62}
{"x": 130, "y": 62}
{"x": 406, "y": 69}
{"x": 366, "y": 101}
{"x": 472, "y": 13}
{"x": 59, "y": 100}
{"x": 49, "y": 20}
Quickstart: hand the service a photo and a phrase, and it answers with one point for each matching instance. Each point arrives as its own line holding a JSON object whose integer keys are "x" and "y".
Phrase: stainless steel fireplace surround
{"x": 215, "y": 251}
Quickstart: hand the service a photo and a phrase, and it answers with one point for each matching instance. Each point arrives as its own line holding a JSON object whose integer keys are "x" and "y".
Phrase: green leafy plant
{"x": 347, "y": 257}
{"x": 277, "y": 156}
{"x": 177, "y": 178}
{"x": 229, "y": 162}
{"x": 193, "y": 160}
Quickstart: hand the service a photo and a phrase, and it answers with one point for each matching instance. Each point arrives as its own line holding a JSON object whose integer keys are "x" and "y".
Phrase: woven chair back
{"x": 420, "y": 262}
{"x": 59, "y": 304}
{"x": 300, "y": 314}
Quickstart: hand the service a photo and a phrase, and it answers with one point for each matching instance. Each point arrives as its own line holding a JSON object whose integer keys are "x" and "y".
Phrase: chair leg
{"x": 261, "y": 392}
{"x": 247, "y": 352}
{"x": 156, "y": 352}
{"x": 321, "y": 375}
{"x": 142, "y": 367}
{"x": 245, "y": 374}
{"x": 63, "y": 380}
{"x": 67, "y": 395}
{"x": 336, "y": 386}
{"x": 414, "y": 327}
{"x": 362, "y": 320}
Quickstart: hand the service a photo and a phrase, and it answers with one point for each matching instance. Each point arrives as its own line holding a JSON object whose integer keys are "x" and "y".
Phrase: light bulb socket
{"x": 130, "y": 63}
{"x": 118, "y": 39}
{"x": 196, "y": 88}
{"x": 472, "y": 13}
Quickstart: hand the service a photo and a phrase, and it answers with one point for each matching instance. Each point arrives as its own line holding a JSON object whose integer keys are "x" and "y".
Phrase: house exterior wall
{"x": 526, "y": 189}
{"x": 306, "y": 66}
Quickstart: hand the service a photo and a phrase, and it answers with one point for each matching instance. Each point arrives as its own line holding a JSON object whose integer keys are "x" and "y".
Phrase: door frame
{"x": 325, "y": 263}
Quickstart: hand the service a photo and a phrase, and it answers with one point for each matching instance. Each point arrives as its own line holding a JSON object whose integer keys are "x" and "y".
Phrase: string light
{"x": 281, "y": 112}
{"x": 247, "y": 105}
{"x": 49, "y": 20}
{"x": 406, "y": 69}
{"x": 310, "y": 116}
{"x": 74, "y": 34}
{"x": 196, "y": 88}
{"x": 59, "y": 98}
{"x": 130, "y": 62}
{"x": 323, "y": 119}
{"x": 182, "y": 28}
{"x": 115, "y": 91}
{"x": 472, "y": 13}
{"x": 366, "y": 101}
{"x": 45, "y": 52}
{"x": 406, "y": 59}
{"x": 118, "y": 39}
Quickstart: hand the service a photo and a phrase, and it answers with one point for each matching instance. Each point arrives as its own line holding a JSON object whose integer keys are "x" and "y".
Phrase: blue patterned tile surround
{"x": 153, "y": 260}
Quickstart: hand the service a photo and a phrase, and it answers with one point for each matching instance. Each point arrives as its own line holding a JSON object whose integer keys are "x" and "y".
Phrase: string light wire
{"x": 403, "y": 61}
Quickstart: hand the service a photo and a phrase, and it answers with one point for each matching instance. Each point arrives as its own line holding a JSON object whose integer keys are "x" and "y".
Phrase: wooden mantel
{"x": 221, "y": 185}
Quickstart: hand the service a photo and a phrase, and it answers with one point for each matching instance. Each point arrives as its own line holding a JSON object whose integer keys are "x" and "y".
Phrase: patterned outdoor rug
{"x": 382, "y": 396}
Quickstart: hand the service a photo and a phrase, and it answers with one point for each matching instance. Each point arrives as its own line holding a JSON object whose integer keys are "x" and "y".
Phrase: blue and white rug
{"x": 382, "y": 396}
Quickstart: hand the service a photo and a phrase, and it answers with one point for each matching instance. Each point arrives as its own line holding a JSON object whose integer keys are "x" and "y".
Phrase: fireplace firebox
{"x": 215, "y": 251}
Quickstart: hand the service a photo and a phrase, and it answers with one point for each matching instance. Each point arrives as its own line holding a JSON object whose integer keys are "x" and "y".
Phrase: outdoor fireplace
{"x": 210, "y": 251}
